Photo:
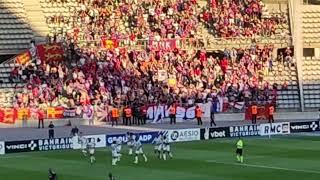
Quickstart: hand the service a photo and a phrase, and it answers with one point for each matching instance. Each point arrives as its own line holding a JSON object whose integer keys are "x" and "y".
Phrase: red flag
{"x": 8, "y": 115}
{"x": 109, "y": 44}
{"x": 50, "y": 52}
{"x": 24, "y": 58}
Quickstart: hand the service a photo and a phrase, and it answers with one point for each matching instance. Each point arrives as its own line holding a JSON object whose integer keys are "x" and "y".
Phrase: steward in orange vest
{"x": 270, "y": 114}
{"x": 114, "y": 116}
{"x": 254, "y": 112}
{"x": 198, "y": 114}
{"x": 172, "y": 114}
{"x": 127, "y": 115}
{"x": 143, "y": 112}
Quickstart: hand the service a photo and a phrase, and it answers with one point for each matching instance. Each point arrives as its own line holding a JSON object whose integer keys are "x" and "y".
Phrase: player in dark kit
{"x": 111, "y": 177}
{"x": 52, "y": 175}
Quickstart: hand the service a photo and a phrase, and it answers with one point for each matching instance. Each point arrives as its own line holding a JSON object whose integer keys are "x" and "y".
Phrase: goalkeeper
{"x": 239, "y": 150}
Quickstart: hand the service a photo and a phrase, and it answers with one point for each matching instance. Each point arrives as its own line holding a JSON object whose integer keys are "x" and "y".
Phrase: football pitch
{"x": 291, "y": 157}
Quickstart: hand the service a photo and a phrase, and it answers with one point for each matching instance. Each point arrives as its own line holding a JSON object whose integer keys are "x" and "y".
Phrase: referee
{"x": 239, "y": 150}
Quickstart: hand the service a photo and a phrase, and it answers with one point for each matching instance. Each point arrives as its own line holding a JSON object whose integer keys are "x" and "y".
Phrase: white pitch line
{"x": 264, "y": 167}
{"x": 11, "y": 157}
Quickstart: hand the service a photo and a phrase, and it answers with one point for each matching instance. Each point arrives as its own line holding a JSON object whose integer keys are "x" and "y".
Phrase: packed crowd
{"x": 91, "y": 21}
{"x": 121, "y": 76}
{"x": 133, "y": 19}
{"x": 240, "y": 18}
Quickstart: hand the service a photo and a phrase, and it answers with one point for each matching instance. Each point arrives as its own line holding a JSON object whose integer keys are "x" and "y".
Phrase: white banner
{"x": 181, "y": 135}
{"x": 2, "y": 147}
{"x": 157, "y": 112}
{"x": 274, "y": 128}
{"x": 99, "y": 140}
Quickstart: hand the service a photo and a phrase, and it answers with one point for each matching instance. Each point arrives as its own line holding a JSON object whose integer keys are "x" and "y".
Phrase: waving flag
{"x": 24, "y": 58}
{"x": 50, "y": 52}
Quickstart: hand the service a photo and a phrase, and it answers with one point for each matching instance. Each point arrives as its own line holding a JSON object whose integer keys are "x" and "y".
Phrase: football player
{"x": 139, "y": 151}
{"x": 114, "y": 152}
{"x": 119, "y": 143}
{"x": 83, "y": 143}
{"x": 166, "y": 148}
{"x": 91, "y": 149}
{"x": 158, "y": 145}
{"x": 130, "y": 142}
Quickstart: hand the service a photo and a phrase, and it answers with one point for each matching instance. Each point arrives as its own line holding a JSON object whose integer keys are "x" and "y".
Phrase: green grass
{"x": 265, "y": 159}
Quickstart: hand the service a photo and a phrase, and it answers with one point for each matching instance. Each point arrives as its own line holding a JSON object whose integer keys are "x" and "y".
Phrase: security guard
{"x": 172, "y": 114}
{"x": 254, "y": 113}
{"x": 143, "y": 112}
{"x": 199, "y": 114}
{"x": 51, "y": 130}
{"x": 239, "y": 150}
{"x": 127, "y": 115}
{"x": 270, "y": 114}
{"x": 114, "y": 116}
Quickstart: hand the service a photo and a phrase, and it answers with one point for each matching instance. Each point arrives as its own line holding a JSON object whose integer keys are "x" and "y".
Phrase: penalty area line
{"x": 264, "y": 167}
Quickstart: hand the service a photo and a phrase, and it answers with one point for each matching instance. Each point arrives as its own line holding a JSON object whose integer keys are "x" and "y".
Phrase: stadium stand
{"x": 36, "y": 20}
{"x": 311, "y": 76}
{"x": 15, "y": 33}
{"x": 311, "y": 25}
{"x": 269, "y": 68}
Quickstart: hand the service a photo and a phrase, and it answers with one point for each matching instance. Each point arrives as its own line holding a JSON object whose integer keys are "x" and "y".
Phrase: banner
{"x": 2, "y": 147}
{"x": 109, "y": 44}
{"x": 167, "y": 44}
{"x": 154, "y": 112}
{"x": 87, "y": 112}
{"x": 55, "y": 112}
{"x": 145, "y": 137}
{"x": 50, "y": 52}
{"x": 99, "y": 140}
{"x": 274, "y": 128}
{"x": 262, "y": 112}
{"x": 181, "y": 135}
{"x": 8, "y": 115}
{"x": 212, "y": 133}
{"x": 307, "y": 126}
{"x": 23, "y": 113}
{"x": 21, "y": 146}
{"x": 55, "y": 144}
{"x": 24, "y": 58}
{"x": 246, "y": 130}
{"x": 69, "y": 113}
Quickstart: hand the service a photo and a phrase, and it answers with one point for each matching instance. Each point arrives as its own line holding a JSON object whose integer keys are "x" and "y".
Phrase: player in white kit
{"x": 158, "y": 145}
{"x": 119, "y": 146}
{"x": 91, "y": 149}
{"x": 139, "y": 151}
{"x": 83, "y": 142}
{"x": 166, "y": 148}
{"x": 130, "y": 142}
{"x": 115, "y": 154}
